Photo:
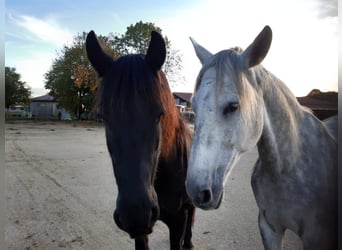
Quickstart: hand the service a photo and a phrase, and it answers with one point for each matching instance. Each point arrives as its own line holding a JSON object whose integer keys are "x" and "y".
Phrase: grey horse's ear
{"x": 202, "y": 53}
{"x": 257, "y": 51}
{"x": 98, "y": 59}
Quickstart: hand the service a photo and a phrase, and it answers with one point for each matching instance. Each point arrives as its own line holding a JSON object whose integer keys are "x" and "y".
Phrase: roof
{"x": 44, "y": 98}
{"x": 317, "y": 104}
{"x": 184, "y": 96}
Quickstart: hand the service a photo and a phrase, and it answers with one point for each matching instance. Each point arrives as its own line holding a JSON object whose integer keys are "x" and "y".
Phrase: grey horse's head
{"x": 229, "y": 117}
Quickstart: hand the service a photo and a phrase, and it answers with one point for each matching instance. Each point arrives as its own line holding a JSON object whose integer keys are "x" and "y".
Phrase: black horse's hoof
{"x": 188, "y": 248}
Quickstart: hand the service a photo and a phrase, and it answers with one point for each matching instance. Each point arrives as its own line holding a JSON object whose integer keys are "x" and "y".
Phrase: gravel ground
{"x": 61, "y": 195}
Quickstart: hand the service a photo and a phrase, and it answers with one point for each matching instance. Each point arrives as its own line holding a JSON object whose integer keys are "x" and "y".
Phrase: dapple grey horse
{"x": 240, "y": 105}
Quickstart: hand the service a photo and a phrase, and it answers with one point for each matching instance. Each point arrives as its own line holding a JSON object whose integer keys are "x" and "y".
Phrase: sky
{"x": 303, "y": 54}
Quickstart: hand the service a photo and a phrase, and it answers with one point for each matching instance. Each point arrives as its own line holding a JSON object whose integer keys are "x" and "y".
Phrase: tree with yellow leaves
{"x": 72, "y": 80}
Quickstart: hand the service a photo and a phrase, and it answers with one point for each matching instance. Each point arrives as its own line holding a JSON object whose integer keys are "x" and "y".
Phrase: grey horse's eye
{"x": 230, "y": 108}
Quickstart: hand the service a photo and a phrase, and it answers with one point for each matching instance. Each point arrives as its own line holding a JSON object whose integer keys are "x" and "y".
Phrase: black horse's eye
{"x": 230, "y": 108}
{"x": 99, "y": 116}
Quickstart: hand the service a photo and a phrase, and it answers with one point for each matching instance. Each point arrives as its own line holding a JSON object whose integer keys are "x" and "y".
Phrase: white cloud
{"x": 327, "y": 8}
{"x": 46, "y": 30}
{"x": 303, "y": 52}
{"x": 32, "y": 45}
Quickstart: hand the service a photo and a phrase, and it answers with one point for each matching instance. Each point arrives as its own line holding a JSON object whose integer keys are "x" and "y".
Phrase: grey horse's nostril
{"x": 204, "y": 196}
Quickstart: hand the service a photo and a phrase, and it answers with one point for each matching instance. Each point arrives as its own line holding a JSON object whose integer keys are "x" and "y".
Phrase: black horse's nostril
{"x": 204, "y": 196}
{"x": 116, "y": 219}
{"x": 154, "y": 214}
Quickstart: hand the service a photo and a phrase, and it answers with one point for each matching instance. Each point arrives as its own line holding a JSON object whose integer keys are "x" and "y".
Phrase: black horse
{"x": 148, "y": 141}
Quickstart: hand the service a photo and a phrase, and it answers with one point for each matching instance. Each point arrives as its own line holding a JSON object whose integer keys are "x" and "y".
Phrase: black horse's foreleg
{"x": 177, "y": 225}
{"x": 141, "y": 243}
{"x": 188, "y": 229}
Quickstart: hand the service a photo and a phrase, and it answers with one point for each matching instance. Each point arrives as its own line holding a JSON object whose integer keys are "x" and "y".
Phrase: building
{"x": 46, "y": 106}
{"x": 183, "y": 101}
{"x": 322, "y": 104}
{"x": 322, "y": 109}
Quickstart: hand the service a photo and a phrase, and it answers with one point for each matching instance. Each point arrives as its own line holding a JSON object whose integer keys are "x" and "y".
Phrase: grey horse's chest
{"x": 279, "y": 198}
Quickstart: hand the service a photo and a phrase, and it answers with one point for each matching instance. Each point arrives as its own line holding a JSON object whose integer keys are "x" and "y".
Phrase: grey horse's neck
{"x": 279, "y": 144}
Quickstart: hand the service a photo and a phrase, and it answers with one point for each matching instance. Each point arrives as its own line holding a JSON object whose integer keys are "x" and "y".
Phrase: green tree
{"x": 71, "y": 79}
{"x": 136, "y": 40}
{"x": 16, "y": 91}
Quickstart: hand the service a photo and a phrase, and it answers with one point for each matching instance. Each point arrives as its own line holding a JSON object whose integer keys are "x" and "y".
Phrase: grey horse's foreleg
{"x": 271, "y": 235}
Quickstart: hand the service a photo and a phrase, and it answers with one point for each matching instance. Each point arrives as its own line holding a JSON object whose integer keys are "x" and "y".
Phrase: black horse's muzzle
{"x": 136, "y": 221}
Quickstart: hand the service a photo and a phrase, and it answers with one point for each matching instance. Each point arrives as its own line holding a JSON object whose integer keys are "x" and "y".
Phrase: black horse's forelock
{"x": 128, "y": 77}
{"x": 131, "y": 79}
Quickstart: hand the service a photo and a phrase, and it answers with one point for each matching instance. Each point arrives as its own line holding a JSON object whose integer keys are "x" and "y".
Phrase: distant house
{"x": 322, "y": 104}
{"x": 183, "y": 100}
{"x": 46, "y": 106}
{"x": 183, "y": 103}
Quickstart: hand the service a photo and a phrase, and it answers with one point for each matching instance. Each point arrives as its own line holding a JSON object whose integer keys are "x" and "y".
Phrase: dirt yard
{"x": 61, "y": 194}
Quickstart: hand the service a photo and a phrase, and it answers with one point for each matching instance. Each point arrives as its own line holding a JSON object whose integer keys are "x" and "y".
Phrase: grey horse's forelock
{"x": 228, "y": 62}
{"x": 222, "y": 61}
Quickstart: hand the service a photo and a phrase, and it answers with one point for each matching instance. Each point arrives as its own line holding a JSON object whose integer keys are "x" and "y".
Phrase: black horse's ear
{"x": 156, "y": 52}
{"x": 100, "y": 60}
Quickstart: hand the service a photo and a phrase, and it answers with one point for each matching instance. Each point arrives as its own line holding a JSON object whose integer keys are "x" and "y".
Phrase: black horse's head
{"x": 131, "y": 105}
